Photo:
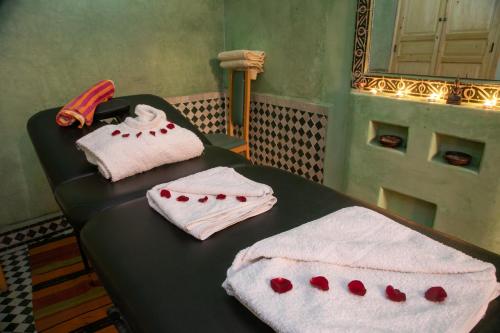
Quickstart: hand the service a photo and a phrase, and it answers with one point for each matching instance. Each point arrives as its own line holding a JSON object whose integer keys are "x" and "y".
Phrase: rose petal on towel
{"x": 319, "y": 282}
{"x": 170, "y": 126}
{"x": 395, "y": 295}
{"x": 435, "y": 294}
{"x": 163, "y": 131}
{"x": 182, "y": 198}
{"x": 115, "y": 132}
{"x": 357, "y": 288}
{"x": 138, "y": 134}
{"x": 241, "y": 198}
{"x": 220, "y": 196}
{"x": 204, "y": 199}
{"x": 126, "y": 135}
{"x": 281, "y": 285}
{"x": 153, "y": 133}
{"x": 165, "y": 194}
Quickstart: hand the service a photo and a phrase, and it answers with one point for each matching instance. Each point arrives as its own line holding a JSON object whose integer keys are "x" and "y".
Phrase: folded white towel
{"x": 242, "y": 65}
{"x": 139, "y": 144}
{"x": 241, "y": 198}
{"x": 242, "y": 55}
{"x": 359, "y": 244}
{"x": 253, "y": 67}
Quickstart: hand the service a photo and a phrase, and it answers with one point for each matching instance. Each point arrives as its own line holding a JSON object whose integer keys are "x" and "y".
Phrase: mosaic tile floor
{"x": 16, "y": 309}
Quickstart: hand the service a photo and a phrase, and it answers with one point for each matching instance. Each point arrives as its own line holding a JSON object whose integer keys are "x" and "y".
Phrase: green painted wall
{"x": 52, "y": 50}
{"x": 49, "y": 51}
{"x": 308, "y": 47}
{"x": 309, "y": 54}
{"x": 468, "y": 203}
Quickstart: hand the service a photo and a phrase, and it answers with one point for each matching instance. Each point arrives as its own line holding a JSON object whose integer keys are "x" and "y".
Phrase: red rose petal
{"x": 163, "y": 131}
{"x": 241, "y": 198}
{"x": 357, "y": 288}
{"x": 153, "y": 133}
{"x": 138, "y": 134}
{"x": 125, "y": 135}
{"x": 170, "y": 126}
{"x": 115, "y": 132}
{"x": 165, "y": 193}
{"x": 435, "y": 294}
{"x": 319, "y": 282}
{"x": 182, "y": 198}
{"x": 395, "y": 295}
{"x": 204, "y": 199}
{"x": 220, "y": 196}
{"x": 281, "y": 285}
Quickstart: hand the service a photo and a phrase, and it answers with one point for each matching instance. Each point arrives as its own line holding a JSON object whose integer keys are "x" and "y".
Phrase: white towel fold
{"x": 242, "y": 60}
{"x": 359, "y": 244}
{"x": 242, "y": 55}
{"x": 244, "y": 198}
{"x": 242, "y": 65}
{"x": 139, "y": 144}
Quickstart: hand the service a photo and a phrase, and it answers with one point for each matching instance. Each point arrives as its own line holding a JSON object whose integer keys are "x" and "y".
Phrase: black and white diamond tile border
{"x": 284, "y": 133}
{"x": 36, "y": 231}
{"x": 206, "y": 111}
{"x": 16, "y": 308}
{"x": 288, "y": 134}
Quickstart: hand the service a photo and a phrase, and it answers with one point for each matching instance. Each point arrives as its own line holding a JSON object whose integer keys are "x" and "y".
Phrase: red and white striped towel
{"x": 82, "y": 108}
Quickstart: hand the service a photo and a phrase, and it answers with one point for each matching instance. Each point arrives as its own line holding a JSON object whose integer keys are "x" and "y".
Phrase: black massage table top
{"x": 85, "y": 196}
{"x": 55, "y": 145}
{"x": 164, "y": 280}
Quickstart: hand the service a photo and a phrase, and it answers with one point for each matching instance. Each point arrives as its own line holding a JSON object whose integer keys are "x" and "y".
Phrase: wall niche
{"x": 414, "y": 209}
{"x": 377, "y": 129}
{"x": 442, "y": 143}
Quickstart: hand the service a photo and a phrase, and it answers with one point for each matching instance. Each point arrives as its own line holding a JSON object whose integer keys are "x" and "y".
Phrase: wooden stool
{"x": 238, "y": 114}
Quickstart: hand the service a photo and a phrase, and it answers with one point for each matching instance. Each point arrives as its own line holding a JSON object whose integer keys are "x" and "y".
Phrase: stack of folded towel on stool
{"x": 139, "y": 144}
{"x": 243, "y": 60}
{"x": 358, "y": 271}
{"x": 209, "y": 201}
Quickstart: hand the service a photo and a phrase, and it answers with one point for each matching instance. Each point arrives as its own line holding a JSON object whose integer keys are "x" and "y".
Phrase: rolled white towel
{"x": 242, "y": 55}
{"x": 359, "y": 244}
{"x": 139, "y": 144}
{"x": 209, "y": 201}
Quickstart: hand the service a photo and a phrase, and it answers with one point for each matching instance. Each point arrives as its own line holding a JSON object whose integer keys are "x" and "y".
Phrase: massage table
{"x": 79, "y": 189}
{"x": 55, "y": 145}
{"x": 164, "y": 280}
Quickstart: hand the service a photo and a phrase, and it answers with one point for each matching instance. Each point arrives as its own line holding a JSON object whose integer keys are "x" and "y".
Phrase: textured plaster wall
{"x": 308, "y": 47}
{"x": 52, "y": 50}
{"x": 309, "y": 54}
{"x": 468, "y": 204}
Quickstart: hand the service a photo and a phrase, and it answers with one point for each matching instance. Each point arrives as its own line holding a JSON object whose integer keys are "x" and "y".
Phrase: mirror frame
{"x": 472, "y": 91}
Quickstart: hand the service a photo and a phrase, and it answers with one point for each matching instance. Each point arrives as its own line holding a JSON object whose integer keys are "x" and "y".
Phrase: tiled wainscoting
{"x": 284, "y": 133}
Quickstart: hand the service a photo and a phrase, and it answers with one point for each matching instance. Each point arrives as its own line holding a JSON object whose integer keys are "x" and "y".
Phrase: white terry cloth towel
{"x": 242, "y": 55}
{"x": 359, "y": 244}
{"x": 242, "y": 65}
{"x": 253, "y": 67}
{"x": 243, "y": 199}
{"x": 139, "y": 144}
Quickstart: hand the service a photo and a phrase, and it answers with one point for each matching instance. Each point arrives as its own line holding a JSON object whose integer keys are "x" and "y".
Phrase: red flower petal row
{"x": 356, "y": 287}
{"x": 182, "y": 198}
{"x": 153, "y": 133}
